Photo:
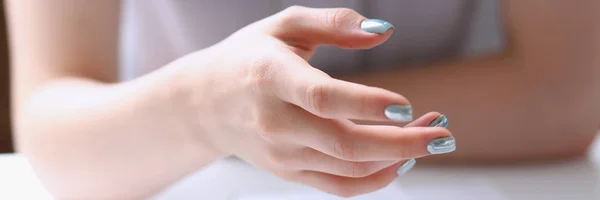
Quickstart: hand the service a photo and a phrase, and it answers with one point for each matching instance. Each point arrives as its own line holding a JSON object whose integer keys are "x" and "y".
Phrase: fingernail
{"x": 375, "y": 26}
{"x": 440, "y": 121}
{"x": 407, "y": 166}
{"x": 399, "y": 113}
{"x": 442, "y": 145}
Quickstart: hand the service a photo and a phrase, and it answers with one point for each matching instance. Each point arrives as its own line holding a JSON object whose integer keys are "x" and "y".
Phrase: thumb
{"x": 342, "y": 27}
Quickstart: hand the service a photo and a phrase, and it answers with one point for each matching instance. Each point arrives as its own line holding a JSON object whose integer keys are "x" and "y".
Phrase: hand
{"x": 255, "y": 96}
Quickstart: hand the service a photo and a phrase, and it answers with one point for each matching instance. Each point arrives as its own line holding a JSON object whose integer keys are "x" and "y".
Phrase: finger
{"x": 371, "y": 143}
{"x": 340, "y": 27}
{"x": 314, "y": 91}
{"x": 345, "y": 186}
{"x": 425, "y": 120}
{"x": 344, "y": 140}
{"x": 313, "y": 160}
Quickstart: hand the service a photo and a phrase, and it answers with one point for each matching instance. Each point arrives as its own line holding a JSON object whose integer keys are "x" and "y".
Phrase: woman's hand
{"x": 255, "y": 96}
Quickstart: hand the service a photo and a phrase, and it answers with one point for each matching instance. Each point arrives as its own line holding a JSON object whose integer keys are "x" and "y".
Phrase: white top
{"x": 156, "y": 32}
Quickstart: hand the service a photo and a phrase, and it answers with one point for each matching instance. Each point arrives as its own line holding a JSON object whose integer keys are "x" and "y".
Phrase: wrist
{"x": 171, "y": 98}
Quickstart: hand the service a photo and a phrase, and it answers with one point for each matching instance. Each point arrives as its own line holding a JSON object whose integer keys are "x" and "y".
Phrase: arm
{"x": 89, "y": 137}
{"x": 74, "y": 122}
{"x": 538, "y": 99}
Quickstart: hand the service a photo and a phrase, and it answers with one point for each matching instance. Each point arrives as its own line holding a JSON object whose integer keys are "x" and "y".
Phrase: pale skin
{"x": 89, "y": 136}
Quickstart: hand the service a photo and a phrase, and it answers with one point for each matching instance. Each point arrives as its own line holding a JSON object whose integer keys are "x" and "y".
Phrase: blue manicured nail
{"x": 399, "y": 113}
{"x": 442, "y": 145}
{"x": 440, "y": 121}
{"x": 375, "y": 26}
{"x": 407, "y": 166}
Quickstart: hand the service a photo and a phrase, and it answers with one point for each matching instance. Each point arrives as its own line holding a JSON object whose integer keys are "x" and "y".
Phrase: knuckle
{"x": 316, "y": 96}
{"x": 378, "y": 183}
{"x": 347, "y": 194}
{"x": 261, "y": 72}
{"x": 291, "y": 13}
{"x": 266, "y": 131}
{"x": 342, "y": 189}
{"x": 357, "y": 169}
{"x": 288, "y": 175}
{"x": 339, "y": 16}
{"x": 295, "y": 9}
{"x": 267, "y": 127}
{"x": 364, "y": 105}
{"x": 276, "y": 159}
{"x": 406, "y": 153}
{"x": 344, "y": 150}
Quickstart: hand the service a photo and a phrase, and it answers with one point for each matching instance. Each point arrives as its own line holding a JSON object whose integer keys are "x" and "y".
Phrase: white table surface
{"x": 232, "y": 179}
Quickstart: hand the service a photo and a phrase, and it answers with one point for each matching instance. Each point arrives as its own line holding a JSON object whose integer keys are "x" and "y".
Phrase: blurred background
{"x": 5, "y": 131}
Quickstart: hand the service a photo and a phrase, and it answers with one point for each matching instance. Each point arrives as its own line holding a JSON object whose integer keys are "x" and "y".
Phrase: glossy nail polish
{"x": 399, "y": 113}
{"x": 407, "y": 166}
{"x": 440, "y": 121}
{"x": 442, "y": 145}
{"x": 375, "y": 26}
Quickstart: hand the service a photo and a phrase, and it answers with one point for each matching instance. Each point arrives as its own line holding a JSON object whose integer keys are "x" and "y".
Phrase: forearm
{"x": 121, "y": 140}
{"x": 503, "y": 107}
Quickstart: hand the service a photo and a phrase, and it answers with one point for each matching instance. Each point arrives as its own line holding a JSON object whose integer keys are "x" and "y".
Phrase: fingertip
{"x": 426, "y": 134}
{"x": 406, "y": 166}
{"x": 442, "y": 145}
{"x": 376, "y": 26}
{"x": 370, "y": 40}
{"x": 364, "y": 35}
{"x": 416, "y": 142}
{"x": 424, "y": 120}
{"x": 388, "y": 33}
{"x": 396, "y": 112}
{"x": 434, "y": 140}
{"x": 440, "y": 121}
{"x": 395, "y": 106}
{"x": 371, "y": 103}
{"x": 432, "y": 114}
{"x": 443, "y": 132}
